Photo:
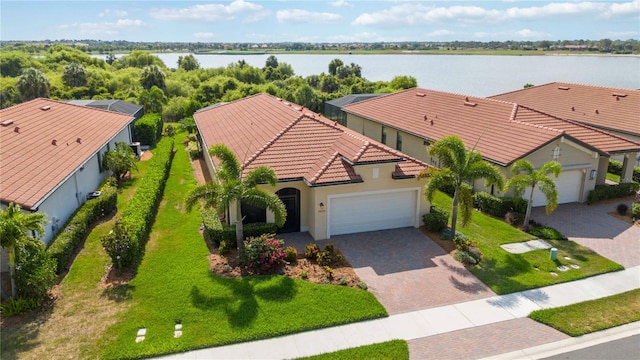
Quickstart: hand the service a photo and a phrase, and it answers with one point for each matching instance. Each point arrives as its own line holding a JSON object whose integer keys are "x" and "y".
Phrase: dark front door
{"x": 253, "y": 214}
{"x": 291, "y": 199}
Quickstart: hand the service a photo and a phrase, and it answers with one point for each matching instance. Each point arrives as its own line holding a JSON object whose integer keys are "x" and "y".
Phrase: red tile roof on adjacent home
{"x": 263, "y": 130}
{"x": 43, "y": 141}
{"x": 603, "y": 107}
{"x": 502, "y": 131}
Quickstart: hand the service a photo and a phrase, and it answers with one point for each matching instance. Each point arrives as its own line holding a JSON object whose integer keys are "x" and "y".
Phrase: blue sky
{"x": 330, "y": 21}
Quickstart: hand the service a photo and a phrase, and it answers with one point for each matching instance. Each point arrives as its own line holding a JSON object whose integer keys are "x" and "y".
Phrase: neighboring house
{"x": 120, "y": 106}
{"x": 51, "y": 156}
{"x": 614, "y": 110}
{"x": 502, "y": 131}
{"x": 333, "y": 108}
{"x": 332, "y": 180}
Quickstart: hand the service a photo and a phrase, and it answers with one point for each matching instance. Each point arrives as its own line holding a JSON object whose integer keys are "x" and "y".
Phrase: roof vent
{"x": 425, "y": 118}
{"x": 619, "y": 95}
{"x": 573, "y": 108}
{"x": 597, "y": 112}
{"x": 431, "y": 121}
{"x": 16, "y": 129}
{"x": 472, "y": 104}
{"x": 79, "y": 140}
{"x": 563, "y": 88}
{"x": 6, "y": 123}
{"x": 466, "y": 99}
{"x": 421, "y": 94}
{"x": 45, "y": 108}
{"x": 54, "y": 142}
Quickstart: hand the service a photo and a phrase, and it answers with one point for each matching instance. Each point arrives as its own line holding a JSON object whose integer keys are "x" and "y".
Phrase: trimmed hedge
{"x": 615, "y": 167}
{"x": 148, "y": 129}
{"x": 193, "y": 147}
{"x": 498, "y": 207}
{"x": 126, "y": 242}
{"x": 63, "y": 246}
{"x": 603, "y": 192}
{"x": 219, "y": 233}
{"x": 436, "y": 219}
{"x": 635, "y": 211}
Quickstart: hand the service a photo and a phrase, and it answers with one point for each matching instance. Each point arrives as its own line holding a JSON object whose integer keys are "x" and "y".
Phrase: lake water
{"x": 478, "y": 75}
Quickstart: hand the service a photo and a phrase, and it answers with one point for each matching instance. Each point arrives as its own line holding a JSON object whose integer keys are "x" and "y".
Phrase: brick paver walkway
{"x": 593, "y": 227}
{"x": 484, "y": 341}
{"x": 404, "y": 269}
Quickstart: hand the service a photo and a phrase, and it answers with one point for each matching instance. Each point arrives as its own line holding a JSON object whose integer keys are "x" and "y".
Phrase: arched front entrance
{"x": 291, "y": 199}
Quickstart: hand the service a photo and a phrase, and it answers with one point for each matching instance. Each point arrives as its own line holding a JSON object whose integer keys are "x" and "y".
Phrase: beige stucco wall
{"x": 313, "y": 217}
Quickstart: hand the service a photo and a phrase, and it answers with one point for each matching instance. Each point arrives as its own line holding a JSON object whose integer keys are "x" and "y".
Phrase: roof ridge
{"x": 271, "y": 142}
{"x": 324, "y": 167}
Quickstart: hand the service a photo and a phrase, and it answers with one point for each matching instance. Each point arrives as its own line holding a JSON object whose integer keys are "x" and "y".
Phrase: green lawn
{"x": 391, "y": 350}
{"x": 602, "y": 313}
{"x": 613, "y": 177}
{"x": 174, "y": 285}
{"x": 505, "y": 273}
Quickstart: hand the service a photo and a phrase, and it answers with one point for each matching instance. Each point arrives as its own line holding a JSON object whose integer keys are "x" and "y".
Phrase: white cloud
{"x": 298, "y": 16}
{"x": 359, "y": 37}
{"x": 632, "y": 7}
{"x": 440, "y": 33}
{"x": 106, "y": 28}
{"x": 113, "y": 13}
{"x": 555, "y": 9}
{"x": 519, "y": 34}
{"x": 212, "y": 12}
{"x": 526, "y": 33}
{"x": 204, "y": 35}
{"x": 622, "y": 34}
{"x": 419, "y": 14}
{"x": 340, "y": 3}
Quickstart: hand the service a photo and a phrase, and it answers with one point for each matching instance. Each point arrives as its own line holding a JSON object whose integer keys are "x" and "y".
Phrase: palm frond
{"x": 267, "y": 200}
{"x": 208, "y": 193}
{"x": 548, "y": 188}
{"x": 260, "y": 175}
{"x": 229, "y": 163}
{"x": 465, "y": 203}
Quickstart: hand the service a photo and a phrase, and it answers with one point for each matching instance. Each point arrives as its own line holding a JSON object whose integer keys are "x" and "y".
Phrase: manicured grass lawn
{"x": 391, "y": 350}
{"x": 613, "y": 177}
{"x": 590, "y": 316}
{"x": 505, "y": 273}
{"x": 174, "y": 285}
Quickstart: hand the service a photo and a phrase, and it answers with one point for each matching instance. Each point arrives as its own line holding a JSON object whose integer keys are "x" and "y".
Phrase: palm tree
{"x": 459, "y": 168}
{"x": 152, "y": 100}
{"x": 33, "y": 84}
{"x": 14, "y": 225}
{"x": 74, "y": 75}
{"x": 232, "y": 187}
{"x": 526, "y": 177}
{"x": 151, "y": 76}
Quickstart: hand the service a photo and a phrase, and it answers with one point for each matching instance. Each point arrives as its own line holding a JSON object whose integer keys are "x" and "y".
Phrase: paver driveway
{"x": 403, "y": 268}
{"x": 593, "y": 227}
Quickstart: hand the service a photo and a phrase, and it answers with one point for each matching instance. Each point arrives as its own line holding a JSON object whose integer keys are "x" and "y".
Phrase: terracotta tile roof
{"x": 504, "y": 131}
{"x": 603, "y": 107}
{"x": 31, "y": 165}
{"x": 263, "y": 130}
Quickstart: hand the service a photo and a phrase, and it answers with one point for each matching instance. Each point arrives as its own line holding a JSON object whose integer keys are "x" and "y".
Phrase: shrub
{"x": 126, "y": 242}
{"x": 603, "y": 192}
{"x": 226, "y": 246}
{"x": 635, "y": 211}
{"x": 329, "y": 271}
{"x": 622, "y": 209}
{"x": 462, "y": 241}
{"x": 35, "y": 269}
{"x": 475, "y": 253}
{"x": 343, "y": 282}
{"x": 18, "y": 306}
{"x": 64, "y": 245}
{"x": 328, "y": 256}
{"x": 446, "y": 234}
{"x": 219, "y": 232}
{"x": 498, "y": 207}
{"x": 263, "y": 254}
{"x": 436, "y": 219}
{"x": 514, "y": 218}
{"x": 465, "y": 257}
{"x": 193, "y": 147}
{"x": 192, "y": 137}
{"x": 304, "y": 274}
{"x": 362, "y": 285}
{"x": 311, "y": 251}
{"x": 212, "y": 226}
{"x": 148, "y": 129}
{"x": 291, "y": 254}
{"x": 257, "y": 229}
{"x": 170, "y": 130}
{"x": 546, "y": 232}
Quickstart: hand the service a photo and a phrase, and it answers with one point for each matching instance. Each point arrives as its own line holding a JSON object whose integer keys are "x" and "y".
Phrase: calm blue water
{"x": 479, "y": 75}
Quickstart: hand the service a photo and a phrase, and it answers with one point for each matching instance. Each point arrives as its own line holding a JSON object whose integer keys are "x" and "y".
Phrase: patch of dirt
{"x": 146, "y": 155}
{"x": 626, "y": 218}
{"x": 114, "y": 277}
{"x": 228, "y": 266}
{"x": 446, "y": 245}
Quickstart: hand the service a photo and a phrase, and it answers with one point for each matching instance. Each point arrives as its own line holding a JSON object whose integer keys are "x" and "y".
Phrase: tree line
{"x": 66, "y": 73}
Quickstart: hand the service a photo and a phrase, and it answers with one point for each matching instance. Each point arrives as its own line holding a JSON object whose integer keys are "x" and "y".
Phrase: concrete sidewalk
{"x": 425, "y": 323}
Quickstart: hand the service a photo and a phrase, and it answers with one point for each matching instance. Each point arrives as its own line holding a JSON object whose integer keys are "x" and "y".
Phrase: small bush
{"x": 311, "y": 251}
{"x": 464, "y": 257}
{"x": 362, "y": 285}
{"x": 226, "y": 246}
{"x": 496, "y": 206}
{"x": 436, "y": 219}
{"x": 546, "y": 232}
{"x": 329, "y": 271}
{"x": 35, "y": 269}
{"x": 514, "y": 218}
{"x": 622, "y": 209}
{"x": 343, "y": 282}
{"x": 462, "y": 241}
{"x": 193, "y": 147}
{"x": 635, "y": 211}
{"x": 604, "y": 192}
{"x": 304, "y": 275}
{"x": 170, "y": 130}
{"x": 475, "y": 253}
{"x": 291, "y": 254}
{"x": 446, "y": 234}
{"x": 263, "y": 254}
{"x": 257, "y": 229}
{"x": 328, "y": 256}
{"x": 18, "y": 306}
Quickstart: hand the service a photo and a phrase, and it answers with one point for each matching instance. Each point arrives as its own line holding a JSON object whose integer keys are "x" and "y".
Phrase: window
{"x": 383, "y": 137}
{"x": 399, "y": 141}
{"x": 556, "y": 153}
{"x": 426, "y": 143}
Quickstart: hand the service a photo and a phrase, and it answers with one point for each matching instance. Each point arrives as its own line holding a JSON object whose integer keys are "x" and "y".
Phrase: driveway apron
{"x": 593, "y": 227}
{"x": 403, "y": 268}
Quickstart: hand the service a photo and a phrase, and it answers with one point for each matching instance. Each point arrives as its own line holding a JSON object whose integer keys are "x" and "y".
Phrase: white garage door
{"x": 373, "y": 211}
{"x": 568, "y": 185}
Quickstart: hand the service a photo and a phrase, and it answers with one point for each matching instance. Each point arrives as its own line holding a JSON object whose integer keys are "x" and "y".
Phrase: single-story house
{"x": 120, "y": 106}
{"x": 502, "y": 131}
{"x": 614, "y": 110}
{"x": 331, "y": 179}
{"x": 333, "y": 108}
{"x": 51, "y": 156}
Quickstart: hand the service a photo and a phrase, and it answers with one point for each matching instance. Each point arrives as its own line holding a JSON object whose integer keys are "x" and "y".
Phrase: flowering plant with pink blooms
{"x": 263, "y": 254}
